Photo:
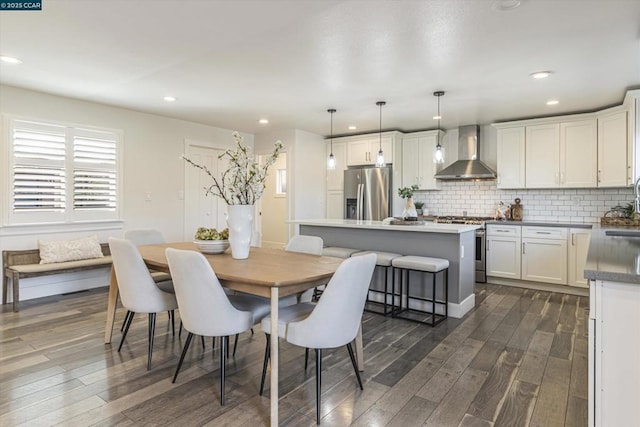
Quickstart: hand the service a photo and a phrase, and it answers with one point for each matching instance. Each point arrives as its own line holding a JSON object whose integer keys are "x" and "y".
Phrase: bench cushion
{"x": 383, "y": 259}
{"x": 421, "y": 263}
{"x": 338, "y": 252}
{"x": 42, "y": 268}
{"x": 69, "y": 250}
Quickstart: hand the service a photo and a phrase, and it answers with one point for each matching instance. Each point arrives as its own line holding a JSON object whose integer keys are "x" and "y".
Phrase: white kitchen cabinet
{"x": 503, "y": 251}
{"x": 544, "y": 254}
{"x": 614, "y": 353}
{"x": 511, "y": 157}
{"x": 363, "y": 150}
{"x": 418, "y": 167}
{"x": 542, "y": 162}
{"x": 613, "y": 167}
{"x": 578, "y": 248}
{"x": 335, "y": 177}
{"x": 579, "y": 154}
{"x": 335, "y": 204}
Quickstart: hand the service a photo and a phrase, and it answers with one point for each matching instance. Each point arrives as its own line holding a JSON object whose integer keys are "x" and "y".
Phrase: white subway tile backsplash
{"x": 481, "y": 199}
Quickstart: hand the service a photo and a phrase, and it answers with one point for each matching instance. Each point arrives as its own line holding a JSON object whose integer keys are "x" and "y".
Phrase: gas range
{"x": 473, "y": 220}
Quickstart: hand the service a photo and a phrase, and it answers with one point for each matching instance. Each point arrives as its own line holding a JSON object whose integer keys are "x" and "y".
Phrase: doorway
{"x": 273, "y": 211}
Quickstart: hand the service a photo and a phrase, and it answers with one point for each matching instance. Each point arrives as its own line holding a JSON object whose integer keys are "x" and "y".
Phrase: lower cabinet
{"x": 503, "y": 251}
{"x": 614, "y": 353}
{"x": 578, "y": 248}
{"x": 335, "y": 204}
{"x": 544, "y": 254}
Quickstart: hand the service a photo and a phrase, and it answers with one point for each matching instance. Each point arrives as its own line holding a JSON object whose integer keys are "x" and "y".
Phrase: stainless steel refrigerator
{"x": 368, "y": 193}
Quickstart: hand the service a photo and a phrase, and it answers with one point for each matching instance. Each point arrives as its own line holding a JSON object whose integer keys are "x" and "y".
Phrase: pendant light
{"x": 439, "y": 154}
{"x": 380, "y": 159}
{"x": 331, "y": 161}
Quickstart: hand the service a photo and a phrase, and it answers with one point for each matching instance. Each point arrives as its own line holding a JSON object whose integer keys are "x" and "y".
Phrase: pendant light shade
{"x": 331, "y": 161}
{"x": 439, "y": 154}
{"x": 380, "y": 158}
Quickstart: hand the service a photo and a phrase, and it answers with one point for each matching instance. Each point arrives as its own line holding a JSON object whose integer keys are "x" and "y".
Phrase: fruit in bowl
{"x": 212, "y": 241}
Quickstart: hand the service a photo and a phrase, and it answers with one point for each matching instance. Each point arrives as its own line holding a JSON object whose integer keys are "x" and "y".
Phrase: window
{"x": 60, "y": 173}
{"x": 281, "y": 182}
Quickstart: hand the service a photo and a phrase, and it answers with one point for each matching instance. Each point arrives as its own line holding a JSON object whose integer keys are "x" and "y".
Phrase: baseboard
{"x": 563, "y": 289}
{"x": 460, "y": 309}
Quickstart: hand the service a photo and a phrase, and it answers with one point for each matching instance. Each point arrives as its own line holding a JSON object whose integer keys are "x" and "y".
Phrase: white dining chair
{"x": 139, "y": 293}
{"x": 149, "y": 236}
{"x": 332, "y": 322}
{"x": 308, "y": 245}
{"x": 206, "y": 309}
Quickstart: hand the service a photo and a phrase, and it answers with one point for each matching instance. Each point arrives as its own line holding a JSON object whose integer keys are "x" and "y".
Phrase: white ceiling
{"x": 230, "y": 63}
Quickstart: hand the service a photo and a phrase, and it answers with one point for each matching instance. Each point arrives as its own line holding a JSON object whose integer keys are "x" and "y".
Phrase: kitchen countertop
{"x": 613, "y": 258}
{"x": 427, "y": 227}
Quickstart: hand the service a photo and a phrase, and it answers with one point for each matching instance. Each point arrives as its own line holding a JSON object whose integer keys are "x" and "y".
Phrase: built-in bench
{"x": 22, "y": 264}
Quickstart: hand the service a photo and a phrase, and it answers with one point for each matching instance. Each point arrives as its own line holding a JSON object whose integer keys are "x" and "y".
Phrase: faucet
{"x": 636, "y": 191}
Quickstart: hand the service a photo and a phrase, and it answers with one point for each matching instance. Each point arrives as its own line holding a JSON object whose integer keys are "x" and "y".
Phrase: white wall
{"x": 151, "y": 148}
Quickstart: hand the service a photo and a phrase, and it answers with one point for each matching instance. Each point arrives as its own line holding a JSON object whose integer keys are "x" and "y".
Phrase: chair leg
{"x": 355, "y": 367}
{"x": 126, "y": 317}
{"x": 235, "y": 345}
{"x": 318, "y": 382}
{"x": 265, "y": 363}
{"x": 202, "y": 340}
{"x": 180, "y": 330}
{"x": 173, "y": 322}
{"x": 306, "y": 358}
{"x": 126, "y": 329}
{"x": 224, "y": 343}
{"x": 152, "y": 329}
{"x": 184, "y": 353}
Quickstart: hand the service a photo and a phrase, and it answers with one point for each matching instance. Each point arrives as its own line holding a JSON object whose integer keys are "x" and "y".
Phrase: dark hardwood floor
{"x": 518, "y": 359}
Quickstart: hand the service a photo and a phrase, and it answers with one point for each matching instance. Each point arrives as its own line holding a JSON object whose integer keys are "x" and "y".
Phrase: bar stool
{"x": 433, "y": 266}
{"x": 383, "y": 259}
{"x": 338, "y": 252}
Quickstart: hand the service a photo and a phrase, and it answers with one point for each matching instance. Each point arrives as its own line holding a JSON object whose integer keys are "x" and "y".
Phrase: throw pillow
{"x": 69, "y": 250}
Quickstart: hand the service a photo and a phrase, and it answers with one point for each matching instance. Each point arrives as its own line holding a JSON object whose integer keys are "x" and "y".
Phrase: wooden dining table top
{"x": 291, "y": 272}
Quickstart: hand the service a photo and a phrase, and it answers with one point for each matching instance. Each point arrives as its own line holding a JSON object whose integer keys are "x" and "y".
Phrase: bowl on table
{"x": 212, "y": 246}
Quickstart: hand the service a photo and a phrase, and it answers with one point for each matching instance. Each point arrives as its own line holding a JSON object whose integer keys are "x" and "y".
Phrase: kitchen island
{"x": 454, "y": 242}
{"x": 613, "y": 270}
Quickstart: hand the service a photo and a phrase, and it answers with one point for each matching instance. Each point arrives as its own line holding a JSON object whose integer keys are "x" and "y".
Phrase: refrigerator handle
{"x": 360, "y": 208}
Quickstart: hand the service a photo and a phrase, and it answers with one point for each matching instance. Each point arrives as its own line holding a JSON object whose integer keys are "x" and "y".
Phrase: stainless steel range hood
{"x": 468, "y": 165}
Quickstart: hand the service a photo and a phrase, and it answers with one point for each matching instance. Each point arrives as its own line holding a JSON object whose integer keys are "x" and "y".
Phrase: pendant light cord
{"x": 331, "y": 111}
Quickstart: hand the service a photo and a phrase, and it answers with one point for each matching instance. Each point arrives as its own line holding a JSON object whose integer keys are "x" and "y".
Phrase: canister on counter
{"x": 516, "y": 211}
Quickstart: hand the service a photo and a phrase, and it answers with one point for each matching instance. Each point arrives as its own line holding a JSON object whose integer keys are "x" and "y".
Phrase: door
{"x": 273, "y": 209}
{"x": 201, "y": 210}
{"x": 579, "y": 154}
{"x": 511, "y": 158}
{"x": 542, "y": 156}
{"x": 544, "y": 260}
{"x": 612, "y": 150}
{"x": 376, "y": 201}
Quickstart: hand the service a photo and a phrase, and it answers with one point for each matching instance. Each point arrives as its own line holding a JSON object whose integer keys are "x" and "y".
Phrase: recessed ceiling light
{"x": 553, "y": 102}
{"x": 263, "y": 121}
{"x": 540, "y": 74}
{"x": 170, "y": 98}
{"x": 352, "y": 127}
{"x": 10, "y": 60}
{"x": 506, "y": 5}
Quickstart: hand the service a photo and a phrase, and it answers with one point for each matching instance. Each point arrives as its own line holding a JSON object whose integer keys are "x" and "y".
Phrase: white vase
{"x": 240, "y": 223}
{"x": 409, "y": 209}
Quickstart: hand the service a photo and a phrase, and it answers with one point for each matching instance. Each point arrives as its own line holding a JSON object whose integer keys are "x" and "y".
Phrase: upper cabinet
{"x": 363, "y": 150}
{"x": 557, "y": 152}
{"x": 511, "y": 155}
{"x": 418, "y": 167}
{"x": 613, "y": 165}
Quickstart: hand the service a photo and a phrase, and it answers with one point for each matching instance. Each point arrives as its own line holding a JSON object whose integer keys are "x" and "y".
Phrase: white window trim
{"x": 21, "y": 220}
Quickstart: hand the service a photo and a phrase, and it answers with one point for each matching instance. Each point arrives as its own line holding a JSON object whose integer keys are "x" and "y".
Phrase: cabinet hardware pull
{"x": 543, "y": 232}
{"x": 599, "y": 176}
{"x": 523, "y": 251}
{"x": 573, "y": 239}
{"x": 561, "y": 177}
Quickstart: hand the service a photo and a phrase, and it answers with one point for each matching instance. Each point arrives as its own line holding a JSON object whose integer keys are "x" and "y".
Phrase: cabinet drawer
{"x": 503, "y": 230}
{"x": 556, "y": 233}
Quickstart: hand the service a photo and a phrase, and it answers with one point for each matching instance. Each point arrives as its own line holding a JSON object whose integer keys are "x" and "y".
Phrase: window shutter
{"x": 94, "y": 170}
{"x": 39, "y": 180}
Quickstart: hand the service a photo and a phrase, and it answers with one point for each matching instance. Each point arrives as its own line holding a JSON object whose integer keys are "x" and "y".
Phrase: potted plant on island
{"x": 419, "y": 206}
{"x": 409, "y": 212}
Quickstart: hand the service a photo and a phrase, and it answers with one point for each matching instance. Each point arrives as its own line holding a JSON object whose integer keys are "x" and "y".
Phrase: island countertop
{"x": 427, "y": 227}
{"x": 613, "y": 258}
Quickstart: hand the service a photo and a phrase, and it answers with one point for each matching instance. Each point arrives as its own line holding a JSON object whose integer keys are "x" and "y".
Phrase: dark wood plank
{"x": 518, "y": 406}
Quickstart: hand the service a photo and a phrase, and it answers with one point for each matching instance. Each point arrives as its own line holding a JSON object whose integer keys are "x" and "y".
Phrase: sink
{"x": 623, "y": 233}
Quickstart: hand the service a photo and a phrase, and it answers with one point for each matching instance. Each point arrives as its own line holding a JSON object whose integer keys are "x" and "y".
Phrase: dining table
{"x": 267, "y": 272}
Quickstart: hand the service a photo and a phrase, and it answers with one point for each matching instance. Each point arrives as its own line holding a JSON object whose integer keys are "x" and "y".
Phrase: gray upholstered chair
{"x": 206, "y": 309}
{"x": 332, "y": 322}
{"x": 308, "y": 245}
{"x": 138, "y": 291}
